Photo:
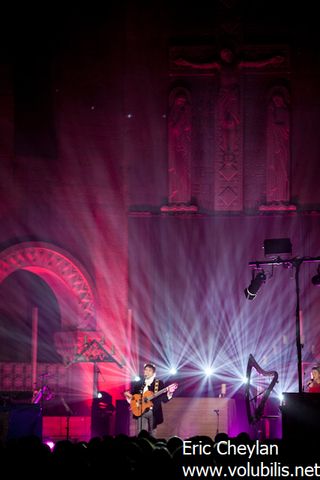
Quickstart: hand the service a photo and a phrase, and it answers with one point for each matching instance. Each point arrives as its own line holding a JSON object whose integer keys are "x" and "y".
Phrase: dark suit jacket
{"x": 157, "y": 402}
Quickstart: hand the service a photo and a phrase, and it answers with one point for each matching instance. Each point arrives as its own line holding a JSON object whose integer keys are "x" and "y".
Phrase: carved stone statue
{"x": 179, "y": 146}
{"x": 278, "y": 146}
{"x": 228, "y": 160}
{"x": 229, "y": 104}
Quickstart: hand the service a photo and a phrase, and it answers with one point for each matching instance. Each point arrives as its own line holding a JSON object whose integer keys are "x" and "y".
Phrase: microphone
{"x": 310, "y": 382}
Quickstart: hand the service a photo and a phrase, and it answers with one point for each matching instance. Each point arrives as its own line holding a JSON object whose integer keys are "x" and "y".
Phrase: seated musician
{"x": 146, "y": 400}
{"x": 314, "y": 383}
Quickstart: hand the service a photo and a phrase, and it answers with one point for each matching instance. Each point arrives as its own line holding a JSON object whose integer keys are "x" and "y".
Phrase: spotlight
{"x": 316, "y": 279}
{"x": 256, "y": 282}
{"x": 50, "y": 444}
{"x": 208, "y": 371}
{"x": 173, "y": 371}
{"x": 104, "y": 397}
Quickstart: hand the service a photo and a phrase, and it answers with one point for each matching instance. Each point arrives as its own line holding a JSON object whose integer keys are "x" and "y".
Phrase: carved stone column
{"x": 228, "y": 164}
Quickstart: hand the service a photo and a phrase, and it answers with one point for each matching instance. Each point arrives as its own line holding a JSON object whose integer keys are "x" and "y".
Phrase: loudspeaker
{"x": 122, "y": 417}
{"x": 300, "y": 416}
{"x": 101, "y": 416}
{"x": 21, "y": 420}
{"x": 277, "y": 246}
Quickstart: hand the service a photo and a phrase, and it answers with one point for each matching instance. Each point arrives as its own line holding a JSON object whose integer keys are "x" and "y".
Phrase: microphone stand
{"x": 140, "y": 405}
{"x": 69, "y": 413}
{"x": 217, "y": 412}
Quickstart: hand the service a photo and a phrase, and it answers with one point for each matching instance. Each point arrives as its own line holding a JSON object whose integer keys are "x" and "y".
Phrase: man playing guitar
{"x": 146, "y": 399}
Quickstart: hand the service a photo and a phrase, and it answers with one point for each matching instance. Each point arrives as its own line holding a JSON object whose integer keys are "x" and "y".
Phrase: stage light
{"x": 136, "y": 378}
{"x": 50, "y": 444}
{"x": 208, "y": 371}
{"x": 256, "y": 282}
{"x": 104, "y": 397}
{"x": 316, "y": 279}
{"x": 173, "y": 371}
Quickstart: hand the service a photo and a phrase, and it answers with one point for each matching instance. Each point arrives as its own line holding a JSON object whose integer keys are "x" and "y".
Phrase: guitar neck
{"x": 155, "y": 395}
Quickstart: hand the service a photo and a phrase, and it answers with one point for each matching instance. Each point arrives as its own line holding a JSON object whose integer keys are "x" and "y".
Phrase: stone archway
{"x": 66, "y": 276}
{"x": 76, "y": 299}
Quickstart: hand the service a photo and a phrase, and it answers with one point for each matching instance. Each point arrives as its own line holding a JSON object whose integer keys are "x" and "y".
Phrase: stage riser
{"x": 187, "y": 416}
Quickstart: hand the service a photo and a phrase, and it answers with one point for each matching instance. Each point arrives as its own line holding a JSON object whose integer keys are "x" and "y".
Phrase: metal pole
{"x": 96, "y": 372}
{"x": 298, "y": 332}
{"x": 34, "y": 346}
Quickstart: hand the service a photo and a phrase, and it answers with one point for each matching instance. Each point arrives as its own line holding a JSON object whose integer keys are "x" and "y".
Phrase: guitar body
{"x": 140, "y": 403}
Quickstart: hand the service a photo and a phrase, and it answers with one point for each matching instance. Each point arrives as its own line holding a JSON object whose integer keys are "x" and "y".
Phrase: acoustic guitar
{"x": 139, "y": 403}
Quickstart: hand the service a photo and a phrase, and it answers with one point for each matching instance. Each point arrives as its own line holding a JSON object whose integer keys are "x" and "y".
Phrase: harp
{"x": 256, "y": 397}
